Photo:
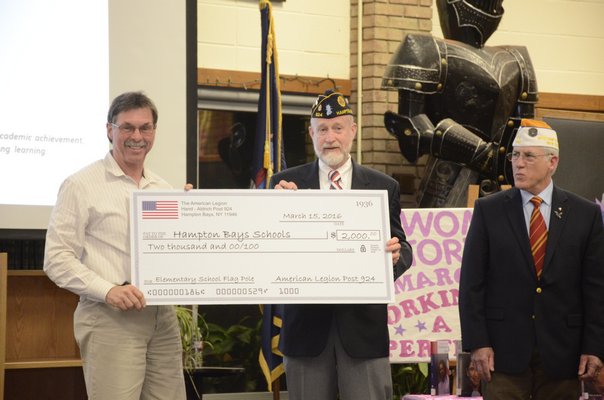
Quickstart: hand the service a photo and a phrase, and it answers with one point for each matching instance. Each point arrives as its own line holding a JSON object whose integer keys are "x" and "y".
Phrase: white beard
{"x": 332, "y": 159}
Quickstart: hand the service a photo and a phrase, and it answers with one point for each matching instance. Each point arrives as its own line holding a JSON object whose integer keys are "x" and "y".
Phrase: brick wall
{"x": 385, "y": 23}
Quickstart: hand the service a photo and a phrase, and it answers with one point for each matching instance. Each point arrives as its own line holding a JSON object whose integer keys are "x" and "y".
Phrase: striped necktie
{"x": 538, "y": 235}
{"x": 335, "y": 180}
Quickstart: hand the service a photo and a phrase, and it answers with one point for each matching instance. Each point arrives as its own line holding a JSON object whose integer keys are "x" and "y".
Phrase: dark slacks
{"x": 532, "y": 384}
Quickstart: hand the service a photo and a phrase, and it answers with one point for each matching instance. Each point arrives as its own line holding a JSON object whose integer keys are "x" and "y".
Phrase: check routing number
{"x": 261, "y": 246}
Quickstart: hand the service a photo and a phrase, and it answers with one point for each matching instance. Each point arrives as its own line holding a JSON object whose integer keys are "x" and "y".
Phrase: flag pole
{"x": 268, "y": 159}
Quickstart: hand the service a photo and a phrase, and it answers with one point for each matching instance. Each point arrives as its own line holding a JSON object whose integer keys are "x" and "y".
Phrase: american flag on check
{"x": 160, "y": 209}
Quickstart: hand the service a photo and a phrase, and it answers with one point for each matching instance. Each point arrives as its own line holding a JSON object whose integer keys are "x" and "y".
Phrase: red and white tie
{"x": 538, "y": 235}
{"x": 335, "y": 180}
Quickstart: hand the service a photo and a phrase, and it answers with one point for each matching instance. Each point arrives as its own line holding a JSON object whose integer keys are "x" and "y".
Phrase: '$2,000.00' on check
{"x": 261, "y": 246}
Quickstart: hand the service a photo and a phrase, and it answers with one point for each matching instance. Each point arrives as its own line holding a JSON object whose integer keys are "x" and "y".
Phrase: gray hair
{"x": 131, "y": 101}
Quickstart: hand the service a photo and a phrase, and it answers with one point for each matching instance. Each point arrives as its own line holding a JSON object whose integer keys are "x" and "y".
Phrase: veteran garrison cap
{"x": 330, "y": 105}
{"x": 535, "y": 133}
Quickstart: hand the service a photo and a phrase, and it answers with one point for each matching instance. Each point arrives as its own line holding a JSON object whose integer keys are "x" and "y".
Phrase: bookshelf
{"x": 36, "y": 321}
{"x": 25, "y": 248}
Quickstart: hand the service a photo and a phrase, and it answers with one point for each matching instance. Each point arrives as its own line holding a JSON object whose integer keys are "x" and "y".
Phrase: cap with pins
{"x": 330, "y": 105}
{"x": 535, "y": 133}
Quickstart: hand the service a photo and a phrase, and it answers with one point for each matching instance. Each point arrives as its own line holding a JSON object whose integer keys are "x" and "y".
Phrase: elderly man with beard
{"x": 129, "y": 351}
{"x": 342, "y": 348}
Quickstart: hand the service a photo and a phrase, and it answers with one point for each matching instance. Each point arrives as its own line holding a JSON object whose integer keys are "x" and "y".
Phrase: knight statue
{"x": 460, "y": 102}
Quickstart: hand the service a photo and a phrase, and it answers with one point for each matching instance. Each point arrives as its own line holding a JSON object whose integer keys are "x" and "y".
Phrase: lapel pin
{"x": 558, "y": 212}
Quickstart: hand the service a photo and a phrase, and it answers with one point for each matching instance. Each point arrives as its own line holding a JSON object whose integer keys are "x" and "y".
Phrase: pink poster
{"x": 427, "y": 294}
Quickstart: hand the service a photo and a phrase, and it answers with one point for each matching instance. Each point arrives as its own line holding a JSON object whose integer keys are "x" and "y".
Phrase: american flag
{"x": 160, "y": 209}
{"x": 269, "y": 157}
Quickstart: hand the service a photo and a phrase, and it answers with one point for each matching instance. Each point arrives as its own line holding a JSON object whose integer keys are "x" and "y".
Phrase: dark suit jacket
{"x": 504, "y": 306}
{"x": 363, "y": 328}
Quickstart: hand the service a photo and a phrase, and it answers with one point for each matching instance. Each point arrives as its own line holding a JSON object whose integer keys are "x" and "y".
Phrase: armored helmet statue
{"x": 460, "y": 102}
{"x": 469, "y": 21}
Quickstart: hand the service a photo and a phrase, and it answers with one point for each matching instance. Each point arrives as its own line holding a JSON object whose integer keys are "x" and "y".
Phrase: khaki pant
{"x": 129, "y": 355}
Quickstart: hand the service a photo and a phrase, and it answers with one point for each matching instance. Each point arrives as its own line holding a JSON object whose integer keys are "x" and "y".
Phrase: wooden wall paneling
{"x": 576, "y": 102}
{"x": 3, "y": 309}
{"x": 41, "y": 358}
{"x": 288, "y": 83}
{"x": 45, "y": 383}
{"x": 570, "y": 106}
{"x": 473, "y": 193}
{"x": 40, "y": 322}
{"x": 569, "y": 114}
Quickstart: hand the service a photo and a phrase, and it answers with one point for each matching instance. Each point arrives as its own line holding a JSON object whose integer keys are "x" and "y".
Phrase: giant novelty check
{"x": 261, "y": 246}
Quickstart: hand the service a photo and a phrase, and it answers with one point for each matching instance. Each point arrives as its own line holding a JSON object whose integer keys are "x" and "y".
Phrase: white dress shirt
{"x": 88, "y": 238}
{"x": 345, "y": 174}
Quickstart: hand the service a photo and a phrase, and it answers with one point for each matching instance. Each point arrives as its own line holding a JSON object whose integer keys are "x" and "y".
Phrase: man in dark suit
{"x": 531, "y": 295}
{"x": 342, "y": 348}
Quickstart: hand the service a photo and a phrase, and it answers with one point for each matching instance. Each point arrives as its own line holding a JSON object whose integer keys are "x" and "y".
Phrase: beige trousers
{"x": 129, "y": 355}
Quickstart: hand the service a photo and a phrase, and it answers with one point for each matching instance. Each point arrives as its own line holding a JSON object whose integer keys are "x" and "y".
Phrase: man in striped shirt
{"x": 129, "y": 350}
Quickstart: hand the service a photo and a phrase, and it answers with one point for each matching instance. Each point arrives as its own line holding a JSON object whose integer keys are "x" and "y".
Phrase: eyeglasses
{"x": 128, "y": 129}
{"x": 528, "y": 158}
